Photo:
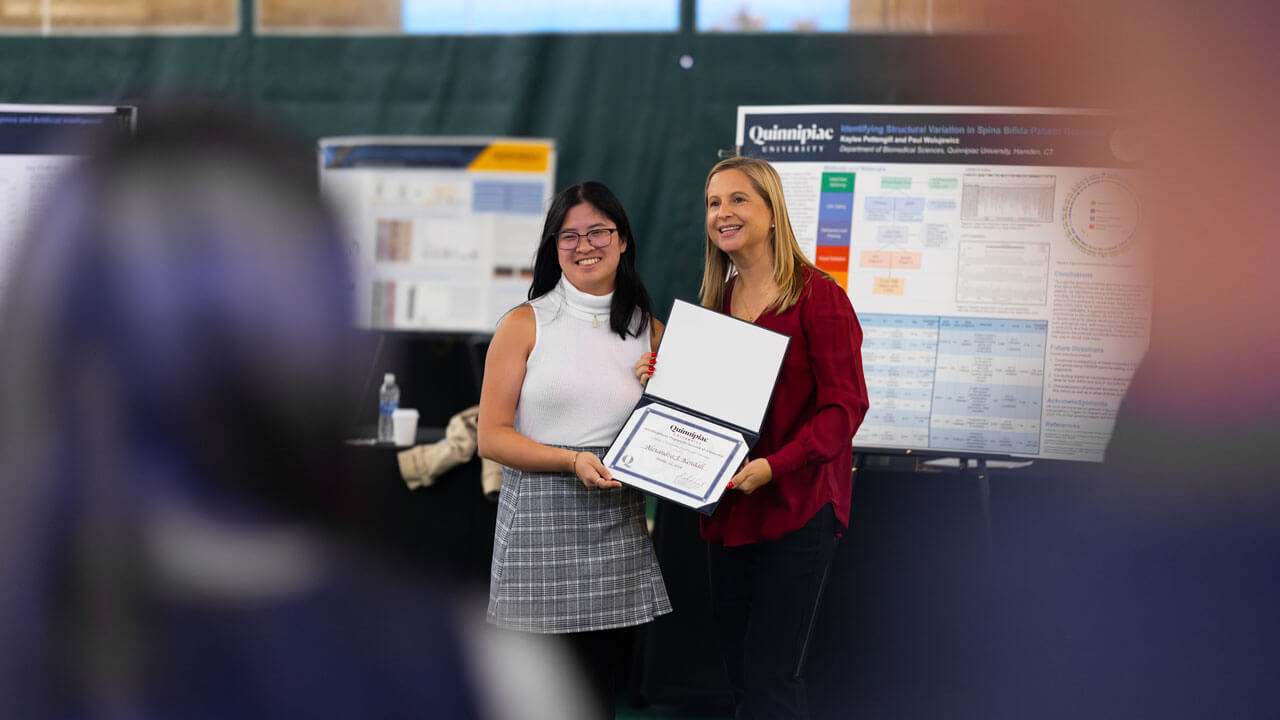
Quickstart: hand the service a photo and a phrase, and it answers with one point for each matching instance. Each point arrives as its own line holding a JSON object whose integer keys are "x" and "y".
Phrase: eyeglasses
{"x": 599, "y": 237}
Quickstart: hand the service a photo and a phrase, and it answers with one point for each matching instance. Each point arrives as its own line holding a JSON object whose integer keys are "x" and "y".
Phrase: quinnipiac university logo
{"x": 792, "y": 140}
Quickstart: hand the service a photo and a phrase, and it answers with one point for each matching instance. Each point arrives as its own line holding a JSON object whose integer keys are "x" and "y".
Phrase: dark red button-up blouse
{"x": 817, "y": 406}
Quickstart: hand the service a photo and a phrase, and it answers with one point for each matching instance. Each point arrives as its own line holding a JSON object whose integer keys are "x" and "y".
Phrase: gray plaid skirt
{"x": 567, "y": 558}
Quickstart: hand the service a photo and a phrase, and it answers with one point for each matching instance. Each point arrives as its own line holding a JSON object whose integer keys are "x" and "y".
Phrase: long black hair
{"x": 629, "y": 294}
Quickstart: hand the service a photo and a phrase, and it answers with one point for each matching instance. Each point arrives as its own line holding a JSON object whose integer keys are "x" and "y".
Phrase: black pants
{"x": 600, "y": 656}
{"x": 765, "y": 596}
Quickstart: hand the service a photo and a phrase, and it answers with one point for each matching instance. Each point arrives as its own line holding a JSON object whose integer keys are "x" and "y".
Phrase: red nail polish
{"x": 730, "y": 484}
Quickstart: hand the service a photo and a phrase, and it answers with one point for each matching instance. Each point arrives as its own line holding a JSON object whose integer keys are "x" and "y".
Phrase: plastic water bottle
{"x": 388, "y": 401}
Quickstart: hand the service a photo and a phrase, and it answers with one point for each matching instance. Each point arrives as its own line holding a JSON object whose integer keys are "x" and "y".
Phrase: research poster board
{"x": 444, "y": 230}
{"x": 998, "y": 260}
{"x": 37, "y": 143}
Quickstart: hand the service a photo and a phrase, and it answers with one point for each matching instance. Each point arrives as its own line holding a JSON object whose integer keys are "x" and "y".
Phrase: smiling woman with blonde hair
{"x": 772, "y": 536}
{"x": 788, "y": 258}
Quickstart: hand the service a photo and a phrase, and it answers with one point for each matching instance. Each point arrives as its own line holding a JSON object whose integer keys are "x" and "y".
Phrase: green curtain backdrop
{"x": 620, "y": 107}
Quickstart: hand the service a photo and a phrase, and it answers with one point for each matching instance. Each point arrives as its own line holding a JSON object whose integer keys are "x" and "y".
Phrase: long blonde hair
{"x": 788, "y": 260}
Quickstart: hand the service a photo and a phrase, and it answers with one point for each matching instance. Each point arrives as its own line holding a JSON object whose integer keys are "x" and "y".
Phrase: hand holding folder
{"x": 697, "y": 420}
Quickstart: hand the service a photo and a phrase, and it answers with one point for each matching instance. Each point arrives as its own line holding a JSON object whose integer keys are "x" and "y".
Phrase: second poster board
{"x": 444, "y": 229}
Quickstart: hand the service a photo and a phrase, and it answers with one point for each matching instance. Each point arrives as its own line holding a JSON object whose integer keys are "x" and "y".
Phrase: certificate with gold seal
{"x": 702, "y": 410}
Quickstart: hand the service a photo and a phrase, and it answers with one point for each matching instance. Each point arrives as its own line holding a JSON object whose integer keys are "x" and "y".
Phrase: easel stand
{"x": 984, "y": 501}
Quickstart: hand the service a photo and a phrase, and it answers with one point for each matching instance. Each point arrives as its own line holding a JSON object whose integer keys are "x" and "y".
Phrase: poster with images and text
{"x": 38, "y": 143}
{"x": 997, "y": 258}
{"x": 444, "y": 230}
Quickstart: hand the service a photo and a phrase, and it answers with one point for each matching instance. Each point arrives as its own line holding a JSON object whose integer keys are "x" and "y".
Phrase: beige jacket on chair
{"x": 422, "y": 464}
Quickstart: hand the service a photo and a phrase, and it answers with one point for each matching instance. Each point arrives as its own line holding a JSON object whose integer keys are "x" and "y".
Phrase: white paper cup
{"x": 404, "y": 422}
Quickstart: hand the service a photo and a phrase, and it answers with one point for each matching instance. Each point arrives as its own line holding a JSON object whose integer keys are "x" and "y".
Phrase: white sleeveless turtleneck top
{"x": 579, "y": 382}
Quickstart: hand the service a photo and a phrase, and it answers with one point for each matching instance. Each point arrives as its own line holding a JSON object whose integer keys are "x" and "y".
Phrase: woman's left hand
{"x": 644, "y": 367}
{"x": 753, "y": 476}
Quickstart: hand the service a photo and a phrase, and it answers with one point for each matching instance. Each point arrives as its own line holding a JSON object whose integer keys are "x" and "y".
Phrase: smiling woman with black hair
{"x": 571, "y": 553}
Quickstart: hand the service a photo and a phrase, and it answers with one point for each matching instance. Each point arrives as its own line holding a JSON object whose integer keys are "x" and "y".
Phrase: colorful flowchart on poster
{"x": 444, "y": 230}
{"x": 997, "y": 258}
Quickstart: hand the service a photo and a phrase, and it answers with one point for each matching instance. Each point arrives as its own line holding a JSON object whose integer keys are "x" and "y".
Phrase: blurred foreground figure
{"x": 1151, "y": 588}
{"x": 172, "y": 386}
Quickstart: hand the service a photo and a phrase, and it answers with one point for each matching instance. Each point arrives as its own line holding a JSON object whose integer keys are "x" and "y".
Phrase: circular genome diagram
{"x": 1101, "y": 215}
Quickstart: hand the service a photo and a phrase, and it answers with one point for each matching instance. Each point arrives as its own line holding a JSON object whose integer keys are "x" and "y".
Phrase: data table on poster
{"x": 899, "y": 355}
{"x": 971, "y": 384}
{"x": 988, "y": 385}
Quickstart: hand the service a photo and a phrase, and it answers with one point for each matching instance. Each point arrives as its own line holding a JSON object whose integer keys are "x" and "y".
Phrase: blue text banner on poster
{"x": 1077, "y": 140}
